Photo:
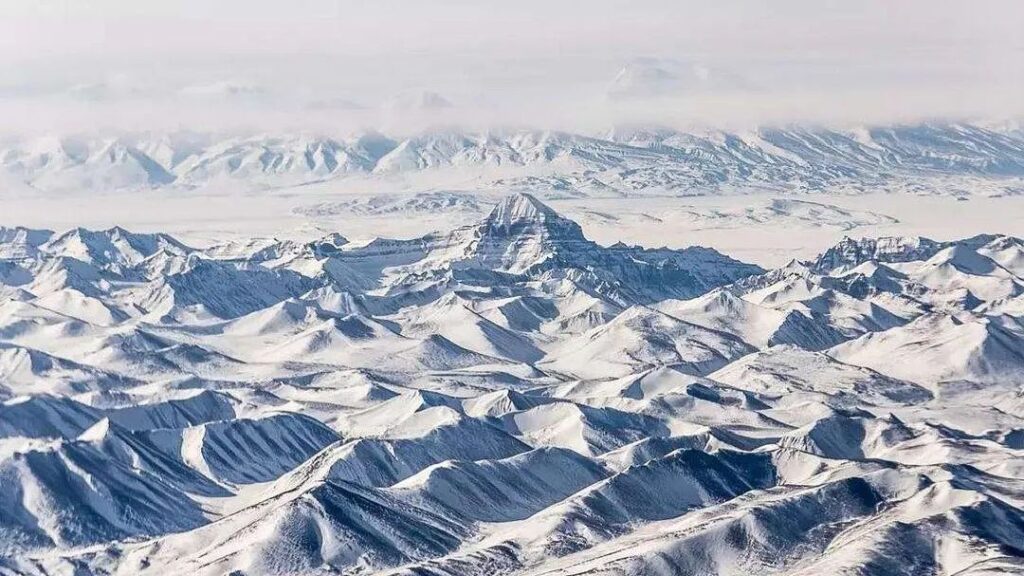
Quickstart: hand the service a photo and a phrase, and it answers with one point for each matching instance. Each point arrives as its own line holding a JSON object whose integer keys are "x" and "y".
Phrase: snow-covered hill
{"x": 511, "y": 397}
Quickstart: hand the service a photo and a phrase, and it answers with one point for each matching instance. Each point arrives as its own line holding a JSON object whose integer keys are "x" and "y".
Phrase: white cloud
{"x": 526, "y": 62}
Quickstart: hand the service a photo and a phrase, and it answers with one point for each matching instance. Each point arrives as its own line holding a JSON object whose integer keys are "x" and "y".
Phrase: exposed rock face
{"x": 850, "y": 252}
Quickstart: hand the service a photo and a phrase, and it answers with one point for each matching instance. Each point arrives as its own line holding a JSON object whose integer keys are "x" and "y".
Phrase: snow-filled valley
{"x": 510, "y": 396}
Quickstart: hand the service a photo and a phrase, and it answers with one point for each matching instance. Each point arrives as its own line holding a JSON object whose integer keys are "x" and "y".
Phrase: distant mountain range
{"x": 621, "y": 162}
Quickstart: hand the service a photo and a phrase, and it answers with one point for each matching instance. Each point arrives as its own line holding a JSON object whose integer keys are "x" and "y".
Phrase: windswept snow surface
{"x": 510, "y": 397}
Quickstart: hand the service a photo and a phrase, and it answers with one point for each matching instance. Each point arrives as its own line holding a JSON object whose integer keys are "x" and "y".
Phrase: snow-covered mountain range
{"x": 621, "y": 162}
{"x": 510, "y": 397}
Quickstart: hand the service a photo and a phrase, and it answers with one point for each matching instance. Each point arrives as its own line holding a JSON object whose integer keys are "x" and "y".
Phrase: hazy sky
{"x": 322, "y": 64}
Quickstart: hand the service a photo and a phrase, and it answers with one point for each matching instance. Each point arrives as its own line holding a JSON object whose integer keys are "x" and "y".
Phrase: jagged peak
{"x": 323, "y": 247}
{"x": 12, "y": 233}
{"x": 100, "y": 238}
{"x": 852, "y": 252}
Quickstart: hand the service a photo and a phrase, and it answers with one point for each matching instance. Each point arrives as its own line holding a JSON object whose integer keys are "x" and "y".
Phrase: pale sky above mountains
{"x": 311, "y": 63}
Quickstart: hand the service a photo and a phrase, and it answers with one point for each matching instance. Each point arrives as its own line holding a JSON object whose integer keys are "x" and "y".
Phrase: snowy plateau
{"x": 509, "y": 396}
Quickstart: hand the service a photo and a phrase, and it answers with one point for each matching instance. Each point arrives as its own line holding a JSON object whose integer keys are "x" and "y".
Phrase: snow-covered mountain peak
{"x": 19, "y": 242}
{"x": 524, "y": 211}
{"x": 114, "y": 246}
{"x": 851, "y": 252}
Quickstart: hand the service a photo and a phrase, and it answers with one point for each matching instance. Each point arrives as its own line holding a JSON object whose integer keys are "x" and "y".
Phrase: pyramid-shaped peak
{"x": 519, "y": 208}
{"x": 97, "y": 432}
{"x": 523, "y": 211}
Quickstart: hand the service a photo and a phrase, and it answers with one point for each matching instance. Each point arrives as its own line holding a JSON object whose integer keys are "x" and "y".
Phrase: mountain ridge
{"x": 623, "y": 161}
{"x": 507, "y": 397}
